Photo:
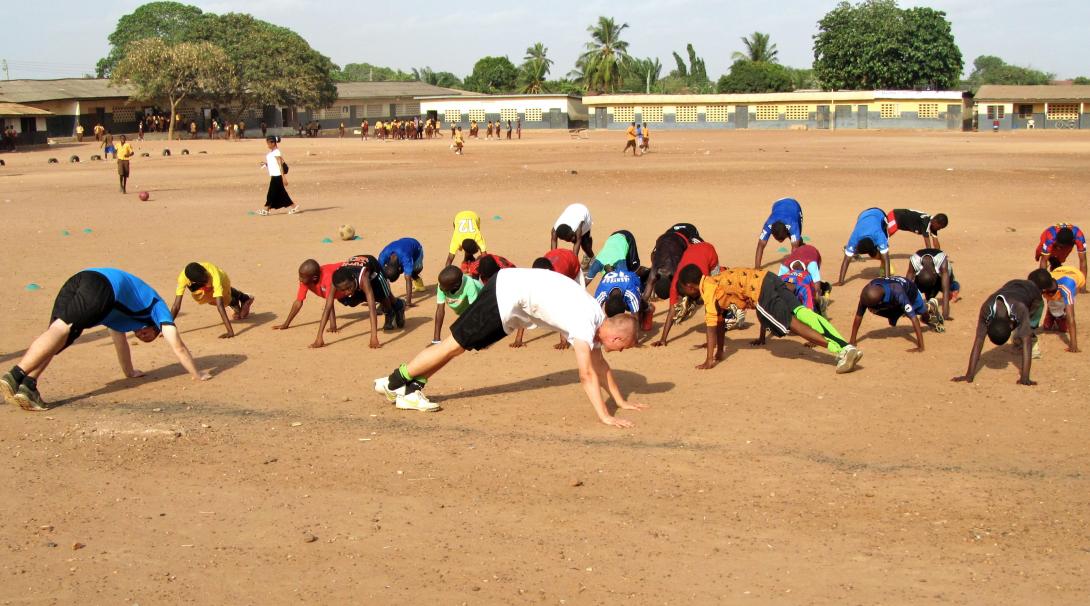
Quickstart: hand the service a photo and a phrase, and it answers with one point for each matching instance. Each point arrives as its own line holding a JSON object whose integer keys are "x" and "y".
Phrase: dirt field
{"x": 768, "y": 479}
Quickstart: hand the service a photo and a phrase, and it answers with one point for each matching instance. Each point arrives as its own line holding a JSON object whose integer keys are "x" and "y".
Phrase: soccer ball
{"x": 347, "y": 232}
{"x": 144, "y": 196}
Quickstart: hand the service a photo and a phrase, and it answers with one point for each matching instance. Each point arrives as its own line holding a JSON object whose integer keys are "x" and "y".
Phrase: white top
{"x": 577, "y": 217}
{"x": 528, "y": 298}
{"x": 272, "y": 164}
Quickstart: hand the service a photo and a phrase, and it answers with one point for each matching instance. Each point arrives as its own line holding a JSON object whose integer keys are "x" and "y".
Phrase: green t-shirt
{"x": 462, "y": 299}
{"x": 613, "y": 251}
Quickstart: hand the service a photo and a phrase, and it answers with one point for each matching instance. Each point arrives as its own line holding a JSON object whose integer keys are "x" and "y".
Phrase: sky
{"x": 64, "y": 38}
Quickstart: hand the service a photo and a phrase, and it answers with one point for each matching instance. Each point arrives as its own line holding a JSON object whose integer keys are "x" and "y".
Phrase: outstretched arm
{"x": 602, "y": 368}
{"x": 919, "y": 335}
{"x": 843, "y": 269}
{"x": 1073, "y": 347}
{"x": 170, "y": 334}
{"x": 886, "y": 272}
{"x": 295, "y": 307}
{"x": 176, "y": 307}
{"x": 327, "y": 312}
{"x": 665, "y": 328}
{"x": 440, "y": 312}
{"x": 450, "y": 259}
{"x": 408, "y": 289}
{"x": 1082, "y": 268}
{"x": 373, "y": 315}
{"x": 711, "y": 359}
{"x": 855, "y": 327}
{"x": 978, "y": 345}
{"x": 226, "y": 321}
{"x": 552, "y": 239}
{"x": 945, "y": 275}
{"x": 760, "y": 253}
{"x": 592, "y": 386}
{"x": 124, "y": 355}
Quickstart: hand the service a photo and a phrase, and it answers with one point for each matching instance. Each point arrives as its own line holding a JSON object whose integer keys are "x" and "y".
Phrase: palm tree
{"x": 605, "y": 57}
{"x": 647, "y": 70}
{"x": 758, "y": 49}
{"x": 535, "y": 69}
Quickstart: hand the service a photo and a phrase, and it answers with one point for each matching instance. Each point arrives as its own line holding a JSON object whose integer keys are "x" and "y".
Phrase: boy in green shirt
{"x": 456, "y": 290}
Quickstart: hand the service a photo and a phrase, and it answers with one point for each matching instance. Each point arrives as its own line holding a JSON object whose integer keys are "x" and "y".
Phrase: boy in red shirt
{"x": 317, "y": 279}
{"x": 703, "y": 255}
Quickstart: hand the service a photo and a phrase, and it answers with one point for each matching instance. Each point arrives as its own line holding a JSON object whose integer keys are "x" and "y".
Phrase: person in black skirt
{"x": 278, "y": 196}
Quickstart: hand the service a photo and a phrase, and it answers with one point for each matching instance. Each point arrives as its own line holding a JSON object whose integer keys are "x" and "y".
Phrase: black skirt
{"x": 278, "y": 196}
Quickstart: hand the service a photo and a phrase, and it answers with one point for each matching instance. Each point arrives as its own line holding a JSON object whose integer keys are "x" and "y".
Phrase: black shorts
{"x": 480, "y": 324}
{"x": 776, "y": 305}
{"x": 84, "y": 302}
{"x": 380, "y": 287}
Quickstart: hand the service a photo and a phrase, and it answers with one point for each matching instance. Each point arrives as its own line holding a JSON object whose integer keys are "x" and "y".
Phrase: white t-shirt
{"x": 577, "y": 217}
{"x": 272, "y": 164}
{"x": 528, "y": 298}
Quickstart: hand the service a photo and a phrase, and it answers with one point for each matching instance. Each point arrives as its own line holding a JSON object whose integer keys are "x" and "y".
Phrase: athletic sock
{"x": 18, "y": 373}
{"x": 400, "y": 377}
{"x": 30, "y": 383}
{"x": 415, "y": 385}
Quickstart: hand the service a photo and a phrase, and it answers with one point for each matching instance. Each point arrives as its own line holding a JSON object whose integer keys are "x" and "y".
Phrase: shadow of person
{"x": 217, "y": 365}
{"x": 903, "y": 330}
{"x": 630, "y": 382}
{"x": 998, "y": 358}
{"x": 794, "y": 348}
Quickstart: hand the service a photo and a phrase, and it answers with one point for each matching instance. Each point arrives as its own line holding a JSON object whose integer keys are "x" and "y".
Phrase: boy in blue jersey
{"x": 620, "y": 291}
{"x": 404, "y": 256}
{"x": 112, "y": 298}
{"x": 892, "y": 298}
{"x": 1060, "y": 303}
{"x": 868, "y": 238}
{"x": 784, "y": 222}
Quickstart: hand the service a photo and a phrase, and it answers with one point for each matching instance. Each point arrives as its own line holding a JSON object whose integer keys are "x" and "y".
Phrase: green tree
{"x": 493, "y": 75}
{"x": 747, "y": 76}
{"x": 988, "y": 69}
{"x": 643, "y": 74}
{"x": 874, "y": 44}
{"x": 759, "y": 48}
{"x": 694, "y": 75}
{"x": 535, "y": 68}
{"x": 272, "y": 65}
{"x": 1081, "y": 80}
{"x": 605, "y": 56}
{"x": 170, "y": 22}
{"x": 158, "y": 70}
{"x": 429, "y": 76}
{"x": 802, "y": 78}
{"x": 365, "y": 72}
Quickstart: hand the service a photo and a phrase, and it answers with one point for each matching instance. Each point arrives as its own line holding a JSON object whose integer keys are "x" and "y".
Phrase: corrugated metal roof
{"x": 16, "y": 110}
{"x": 1044, "y": 92}
{"x": 511, "y": 96}
{"x": 379, "y": 90}
{"x": 793, "y": 97}
{"x": 25, "y": 91}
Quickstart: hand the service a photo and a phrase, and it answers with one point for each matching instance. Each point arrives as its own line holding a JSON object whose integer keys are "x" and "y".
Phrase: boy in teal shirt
{"x": 457, "y": 290}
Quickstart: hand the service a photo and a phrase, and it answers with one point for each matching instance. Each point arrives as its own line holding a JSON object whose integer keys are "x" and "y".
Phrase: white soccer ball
{"x": 347, "y": 232}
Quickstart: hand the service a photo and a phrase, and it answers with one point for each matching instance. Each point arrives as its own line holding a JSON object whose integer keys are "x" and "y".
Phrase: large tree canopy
{"x": 988, "y": 69}
{"x": 269, "y": 65}
{"x": 606, "y": 55}
{"x": 756, "y": 77}
{"x": 874, "y": 44}
{"x": 365, "y": 72}
{"x": 170, "y": 22}
{"x": 493, "y": 75}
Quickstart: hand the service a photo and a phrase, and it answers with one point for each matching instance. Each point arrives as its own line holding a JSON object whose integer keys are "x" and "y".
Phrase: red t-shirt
{"x": 806, "y": 254}
{"x": 564, "y": 262}
{"x": 324, "y": 283}
{"x": 701, "y": 254}
{"x": 471, "y": 268}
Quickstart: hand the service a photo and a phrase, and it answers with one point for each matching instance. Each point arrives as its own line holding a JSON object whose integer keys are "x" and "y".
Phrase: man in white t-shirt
{"x": 526, "y": 298}
{"x": 573, "y": 226}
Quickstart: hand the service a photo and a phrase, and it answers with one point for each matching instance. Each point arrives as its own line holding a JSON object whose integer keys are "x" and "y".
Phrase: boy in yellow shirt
{"x": 458, "y": 141}
{"x": 777, "y": 307}
{"x": 124, "y": 153}
{"x": 209, "y": 285}
{"x": 467, "y": 226}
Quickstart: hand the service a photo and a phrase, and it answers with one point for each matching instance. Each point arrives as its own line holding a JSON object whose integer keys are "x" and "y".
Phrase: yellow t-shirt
{"x": 631, "y": 132}
{"x": 741, "y": 287}
{"x": 467, "y": 224}
{"x": 125, "y": 151}
{"x": 220, "y": 286}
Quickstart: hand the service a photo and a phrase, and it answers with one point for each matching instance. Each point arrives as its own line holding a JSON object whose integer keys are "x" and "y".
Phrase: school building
{"x": 1025, "y": 107}
{"x": 803, "y": 110}
{"x": 371, "y": 101}
{"x": 536, "y": 111}
{"x": 25, "y": 120}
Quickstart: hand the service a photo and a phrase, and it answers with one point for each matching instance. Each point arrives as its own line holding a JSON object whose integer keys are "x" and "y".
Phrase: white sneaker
{"x": 847, "y": 359}
{"x": 416, "y": 401}
{"x": 382, "y": 386}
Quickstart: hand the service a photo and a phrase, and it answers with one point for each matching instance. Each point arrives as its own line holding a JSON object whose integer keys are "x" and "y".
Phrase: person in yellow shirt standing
{"x": 777, "y": 307}
{"x": 209, "y": 285}
{"x": 467, "y": 226}
{"x": 631, "y": 132}
{"x": 646, "y": 147}
{"x": 124, "y": 152}
{"x": 459, "y": 142}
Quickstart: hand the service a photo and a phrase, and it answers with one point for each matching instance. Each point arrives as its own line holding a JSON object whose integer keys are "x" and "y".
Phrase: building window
{"x": 346, "y": 110}
{"x": 685, "y": 113}
{"x": 888, "y": 111}
{"x": 509, "y": 114}
{"x": 797, "y": 112}
{"x": 768, "y": 112}
{"x": 928, "y": 110}
{"x": 651, "y": 113}
{"x": 1025, "y": 110}
{"x": 1056, "y": 111}
{"x": 329, "y": 113}
{"x": 409, "y": 109}
{"x": 716, "y": 113}
{"x": 124, "y": 114}
{"x": 996, "y": 112}
{"x": 452, "y": 115}
{"x": 533, "y": 115}
{"x": 374, "y": 110}
{"x": 624, "y": 113}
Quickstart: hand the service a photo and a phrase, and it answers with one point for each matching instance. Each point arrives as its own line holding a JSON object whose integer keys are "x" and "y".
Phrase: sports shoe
{"x": 382, "y": 386}
{"x": 682, "y": 310}
{"x": 847, "y": 359}
{"x": 418, "y": 285}
{"x": 399, "y": 313}
{"x": 416, "y": 401}
{"x": 30, "y": 399}
{"x": 8, "y": 387}
{"x": 388, "y": 324}
{"x": 934, "y": 316}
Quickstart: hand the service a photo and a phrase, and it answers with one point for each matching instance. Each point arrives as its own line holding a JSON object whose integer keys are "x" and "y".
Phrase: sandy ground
{"x": 768, "y": 480}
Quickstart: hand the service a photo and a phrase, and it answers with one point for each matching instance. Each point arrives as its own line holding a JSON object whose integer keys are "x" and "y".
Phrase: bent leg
{"x": 817, "y": 330}
{"x": 42, "y": 350}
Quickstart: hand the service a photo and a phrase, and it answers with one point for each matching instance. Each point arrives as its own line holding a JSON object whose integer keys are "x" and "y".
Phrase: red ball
{"x": 144, "y": 196}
